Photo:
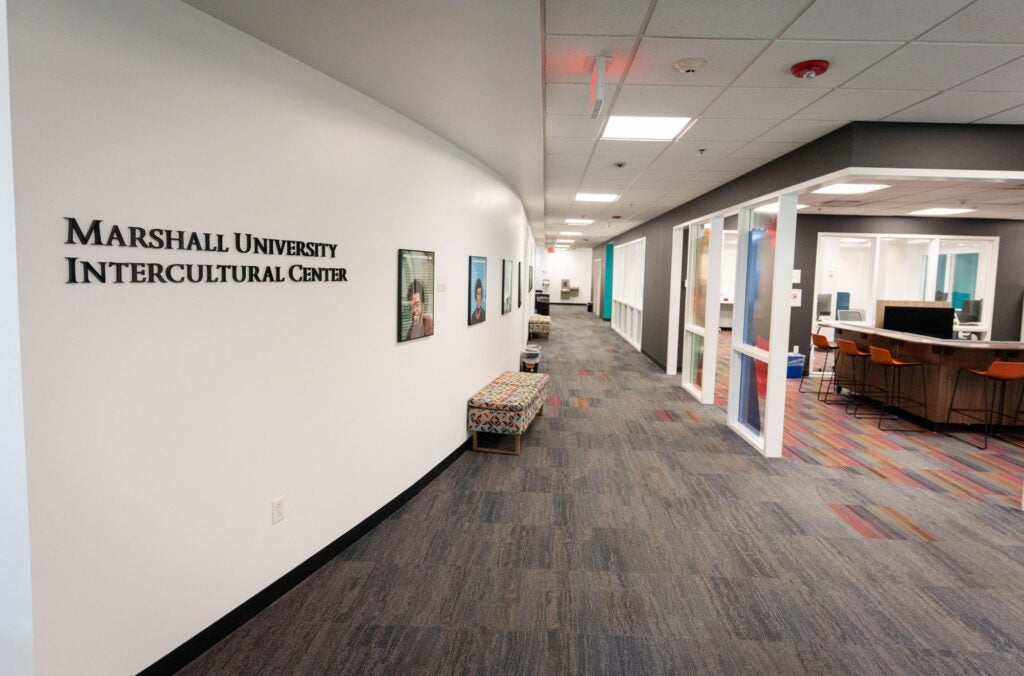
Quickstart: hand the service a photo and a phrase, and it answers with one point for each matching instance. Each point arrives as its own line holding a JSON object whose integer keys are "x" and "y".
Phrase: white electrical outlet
{"x": 277, "y": 510}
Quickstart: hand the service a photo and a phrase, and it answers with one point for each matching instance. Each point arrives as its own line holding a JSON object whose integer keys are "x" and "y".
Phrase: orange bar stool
{"x": 848, "y": 352}
{"x": 821, "y": 344}
{"x": 998, "y": 374}
{"x": 893, "y": 394}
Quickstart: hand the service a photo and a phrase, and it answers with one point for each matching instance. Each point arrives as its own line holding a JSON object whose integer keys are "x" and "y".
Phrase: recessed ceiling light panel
{"x": 849, "y": 188}
{"x": 570, "y": 234}
{"x": 579, "y": 221}
{"x": 595, "y": 197}
{"x": 630, "y": 128}
{"x": 940, "y": 211}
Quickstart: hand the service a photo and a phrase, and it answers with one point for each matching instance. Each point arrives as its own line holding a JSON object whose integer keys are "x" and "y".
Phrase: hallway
{"x": 637, "y": 535}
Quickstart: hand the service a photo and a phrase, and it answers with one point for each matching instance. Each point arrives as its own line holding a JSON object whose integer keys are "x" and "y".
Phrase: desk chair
{"x": 998, "y": 374}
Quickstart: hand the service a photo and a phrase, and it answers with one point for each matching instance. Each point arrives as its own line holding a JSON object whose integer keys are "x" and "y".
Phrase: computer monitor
{"x": 936, "y": 322}
{"x": 824, "y": 305}
{"x": 970, "y": 313}
{"x": 941, "y": 295}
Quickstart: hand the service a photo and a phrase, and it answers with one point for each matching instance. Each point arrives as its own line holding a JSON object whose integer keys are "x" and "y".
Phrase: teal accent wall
{"x": 606, "y": 306}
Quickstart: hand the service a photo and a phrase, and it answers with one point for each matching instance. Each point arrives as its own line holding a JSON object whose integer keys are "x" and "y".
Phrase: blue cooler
{"x": 794, "y": 365}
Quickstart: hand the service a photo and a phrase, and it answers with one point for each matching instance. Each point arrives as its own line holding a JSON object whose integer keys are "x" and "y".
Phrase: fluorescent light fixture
{"x": 940, "y": 211}
{"x": 565, "y": 241}
{"x": 852, "y": 240}
{"x": 570, "y": 234}
{"x": 595, "y": 197}
{"x": 773, "y": 208}
{"x": 579, "y": 221}
{"x": 849, "y": 188}
{"x": 561, "y": 247}
{"x": 629, "y": 128}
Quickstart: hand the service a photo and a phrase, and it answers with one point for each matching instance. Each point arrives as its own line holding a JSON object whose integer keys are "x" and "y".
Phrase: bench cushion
{"x": 508, "y": 404}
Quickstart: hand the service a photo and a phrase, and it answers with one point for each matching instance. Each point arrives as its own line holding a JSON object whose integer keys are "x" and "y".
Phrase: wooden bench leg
{"x": 478, "y": 447}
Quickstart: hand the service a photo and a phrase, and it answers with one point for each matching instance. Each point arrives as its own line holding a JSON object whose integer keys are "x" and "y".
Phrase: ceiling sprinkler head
{"x": 690, "y": 65}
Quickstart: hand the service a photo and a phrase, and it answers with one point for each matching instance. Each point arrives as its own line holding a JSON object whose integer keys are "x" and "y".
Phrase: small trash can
{"x": 530, "y": 358}
{"x": 794, "y": 365}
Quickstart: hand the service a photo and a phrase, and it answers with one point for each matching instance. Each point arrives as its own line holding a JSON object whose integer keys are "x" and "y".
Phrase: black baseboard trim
{"x": 653, "y": 358}
{"x": 180, "y": 657}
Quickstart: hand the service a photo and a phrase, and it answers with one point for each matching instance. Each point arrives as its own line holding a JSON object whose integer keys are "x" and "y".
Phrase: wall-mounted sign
{"x": 80, "y": 271}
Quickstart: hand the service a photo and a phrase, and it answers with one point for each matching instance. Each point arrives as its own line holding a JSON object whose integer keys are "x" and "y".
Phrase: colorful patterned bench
{"x": 540, "y": 326}
{"x": 507, "y": 405}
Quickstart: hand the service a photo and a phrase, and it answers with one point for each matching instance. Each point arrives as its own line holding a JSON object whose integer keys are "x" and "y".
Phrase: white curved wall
{"x": 161, "y": 420}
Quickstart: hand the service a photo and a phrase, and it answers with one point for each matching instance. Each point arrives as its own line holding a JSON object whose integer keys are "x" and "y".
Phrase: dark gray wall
{"x": 859, "y": 144}
{"x": 1006, "y": 306}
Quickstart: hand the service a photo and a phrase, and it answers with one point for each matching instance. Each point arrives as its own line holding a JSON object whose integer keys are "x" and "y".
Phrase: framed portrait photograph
{"x": 415, "y": 294}
{"x": 477, "y": 289}
{"x": 519, "y": 284}
{"x": 506, "y": 286}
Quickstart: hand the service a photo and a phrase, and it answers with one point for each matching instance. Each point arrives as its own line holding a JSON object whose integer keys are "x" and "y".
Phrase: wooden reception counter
{"x": 943, "y": 359}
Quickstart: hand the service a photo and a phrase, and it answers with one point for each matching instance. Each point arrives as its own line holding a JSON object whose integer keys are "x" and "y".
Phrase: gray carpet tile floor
{"x": 637, "y": 535}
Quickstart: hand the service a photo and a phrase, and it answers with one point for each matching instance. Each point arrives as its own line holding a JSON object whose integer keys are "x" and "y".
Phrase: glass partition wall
{"x": 854, "y": 271}
{"x": 695, "y": 312}
{"x": 757, "y": 379}
{"x": 628, "y": 291}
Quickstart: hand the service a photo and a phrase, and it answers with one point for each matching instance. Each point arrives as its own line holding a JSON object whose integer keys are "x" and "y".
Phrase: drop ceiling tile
{"x": 723, "y": 18}
{"x": 762, "y": 103}
{"x": 604, "y": 185}
{"x": 726, "y": 59}
{"x": 662, "y": 100}
{"x": 1012, "y": 116}
{"x": 553, "y": 160}
{"x": 765, "y": 151}
{"x": 800, "y": 130}
{"x": 723, "y": 129}
{"x": 648, "y": 183}
{"x": 930, "y": 66}
{"x": 958, "y": 107}
{"x": 573, "y": 126}
{"x": 984, "y": 21}
{"x": 1006, "y": 78}
{"x": 565, "y": 57}
{"x": 630, "y": 150}
{"x": 607, "y": 170}
{"x": 593, "y": 17}
{"x": 572, "y": 99}
{"x": 688, "y": 148}
{"x": 871, "y": 19}
{"x": 861, "y": 104}
{"x": 556, "y": 145}
{"x": 846, "y": 60}
{"x": 563, "y": 175}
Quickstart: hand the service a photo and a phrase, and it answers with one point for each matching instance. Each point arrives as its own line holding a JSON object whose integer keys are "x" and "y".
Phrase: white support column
{"x": 713, "y": 310}
{"x": 782, "y": 283}
{"x": 675, "y": 282}
{"x": 16, "y": 633}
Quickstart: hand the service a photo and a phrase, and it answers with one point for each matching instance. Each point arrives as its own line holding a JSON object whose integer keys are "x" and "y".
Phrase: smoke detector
{"x": 690, "y": 65}
{"x": 808, "y": 70}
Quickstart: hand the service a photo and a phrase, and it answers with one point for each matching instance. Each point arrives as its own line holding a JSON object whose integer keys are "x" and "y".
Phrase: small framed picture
{"x": 506, "y": 286}
{"x": 477, "y": 289}
{"x": 519, "y": 284}
{"x": 415, "y": 294}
